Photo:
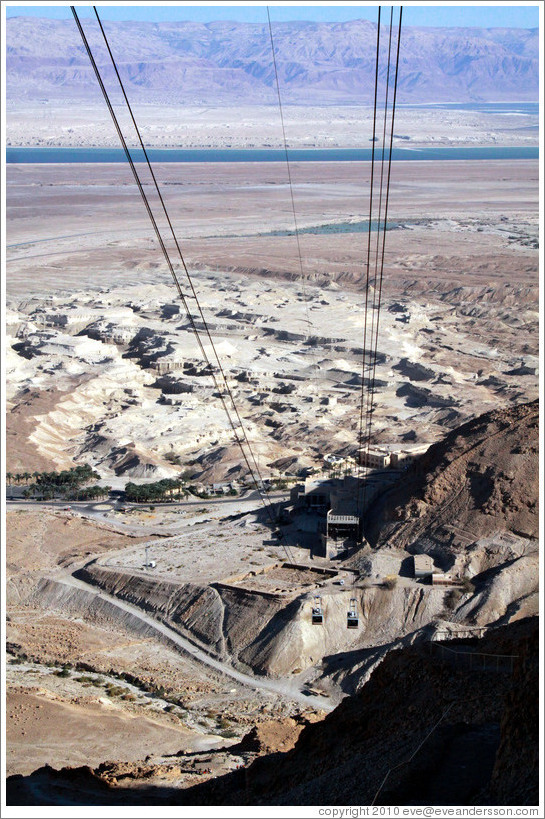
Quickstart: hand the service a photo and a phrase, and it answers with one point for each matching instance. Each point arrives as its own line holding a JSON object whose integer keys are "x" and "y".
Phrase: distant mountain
{"x": 222, "y": 62}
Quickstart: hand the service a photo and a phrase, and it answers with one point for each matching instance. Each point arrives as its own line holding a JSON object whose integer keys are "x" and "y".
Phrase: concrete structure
{"x": 343, "y": 527}
{"x": 374, "y": 458}
{"x": 339, "y": 464}
{"x": 391, "y": 455}
{"x": 314, "y": 494}
{"x": 338, "y": 504}
{"x": 441, "y": 579}
{"x": 423, "y": 567}
{"x": 343, "y": 522}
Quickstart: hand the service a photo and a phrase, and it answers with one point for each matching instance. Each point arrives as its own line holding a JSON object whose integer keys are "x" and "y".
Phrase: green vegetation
{"x": 70, "y": 484}
{"x": 115, "y": 690}
{"x": 223, "y": 722}
{"x": 279, "y": 483}
{"x": 173, "y": 458}
{"x": 164, "y": 490}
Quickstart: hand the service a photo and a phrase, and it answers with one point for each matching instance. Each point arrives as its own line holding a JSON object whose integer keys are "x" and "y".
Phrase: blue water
{"x": 337, "y": 227}
{"x": 530, "y": 108}
{"x": 89, "y": 155}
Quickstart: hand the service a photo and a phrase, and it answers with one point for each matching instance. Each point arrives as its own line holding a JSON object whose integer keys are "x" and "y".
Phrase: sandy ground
{"x": 92, "y": 731}
{"x": 463, "y": 260}
{"x": 69, "y": 225}
{"x": 80, "y": 719}
{"x": 299, "y": 401}
{"x": 41, "y": 540}
{"x": 259, "y": 126}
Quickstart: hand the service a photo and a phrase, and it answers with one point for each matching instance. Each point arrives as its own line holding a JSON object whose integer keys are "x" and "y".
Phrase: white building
{"x": 423, "y": 567}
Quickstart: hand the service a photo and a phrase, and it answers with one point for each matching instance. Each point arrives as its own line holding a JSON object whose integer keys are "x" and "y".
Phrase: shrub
{"x": 390, "y": 582}
{"x": 452, "y": 598}
{"x": 467, "y": 585}
{"x": 115, "y": 690}
{"x": 64, "y": 672}
{"x": 173, "y": 458}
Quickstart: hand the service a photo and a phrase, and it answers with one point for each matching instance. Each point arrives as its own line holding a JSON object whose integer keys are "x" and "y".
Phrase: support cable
{"x": 180, "y": 254}
{"x": 253, "y": 471}
{"x": 360, "y": 434}
{"x": 374, "y": 306}
{"x": 414, "y": 753}
{"x": 290, "y": 182}
{"x": 375, "y": 356}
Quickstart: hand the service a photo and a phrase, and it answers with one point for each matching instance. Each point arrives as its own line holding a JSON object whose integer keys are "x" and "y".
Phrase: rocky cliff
{"x": 476, "y": 724}
{"x": 482, "y": 478}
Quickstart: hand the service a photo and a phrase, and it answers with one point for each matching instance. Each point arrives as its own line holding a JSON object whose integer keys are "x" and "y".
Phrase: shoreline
{"x": 102, "y": 155}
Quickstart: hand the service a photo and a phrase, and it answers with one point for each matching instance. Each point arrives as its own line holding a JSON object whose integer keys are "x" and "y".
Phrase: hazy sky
{"x": 487, "y": 14}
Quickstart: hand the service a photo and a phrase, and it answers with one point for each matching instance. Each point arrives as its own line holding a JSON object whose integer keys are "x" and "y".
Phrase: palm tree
{"x": 9, "y": 476}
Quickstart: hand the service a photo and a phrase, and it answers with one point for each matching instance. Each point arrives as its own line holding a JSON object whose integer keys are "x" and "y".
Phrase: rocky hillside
{"x": 481, "y": 479}
{"x": 381, "y": 727}
{"x": 428, "y": 728}
{"x": 231, "y": 62}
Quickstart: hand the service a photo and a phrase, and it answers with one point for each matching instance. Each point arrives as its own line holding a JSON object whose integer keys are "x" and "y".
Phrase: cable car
{"x": 352, "y": 619}
{"x": 317, "y": 612}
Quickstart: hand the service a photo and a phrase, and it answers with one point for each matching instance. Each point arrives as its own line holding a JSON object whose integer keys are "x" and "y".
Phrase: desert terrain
{"x": 102, "y": 362}
{"x": 43, "y": 124}
{"x": 215, "y": 639}
{"x": 224, "y": 640}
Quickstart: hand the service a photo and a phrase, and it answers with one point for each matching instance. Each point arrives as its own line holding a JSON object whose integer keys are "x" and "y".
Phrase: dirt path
{"x": 282, "y": 687}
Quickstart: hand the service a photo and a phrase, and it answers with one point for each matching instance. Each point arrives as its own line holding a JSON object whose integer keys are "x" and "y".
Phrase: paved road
{"x": 284, "y": 688}
{"x": 100, "y": 510}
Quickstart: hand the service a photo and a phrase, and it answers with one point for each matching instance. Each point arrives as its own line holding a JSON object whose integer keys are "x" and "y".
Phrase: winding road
{"x": 282, "y": 687}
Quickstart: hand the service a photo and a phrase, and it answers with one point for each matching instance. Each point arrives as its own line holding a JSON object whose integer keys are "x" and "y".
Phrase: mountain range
{"x": 230, "y": 63}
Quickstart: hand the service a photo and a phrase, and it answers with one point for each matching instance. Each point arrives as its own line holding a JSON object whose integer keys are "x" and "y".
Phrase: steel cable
{"x": 252, "y": 471}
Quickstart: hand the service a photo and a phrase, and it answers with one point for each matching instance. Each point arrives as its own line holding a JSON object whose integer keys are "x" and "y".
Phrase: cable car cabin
{"x": 352, "y": 619}
{"x": 317, "y": 612}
